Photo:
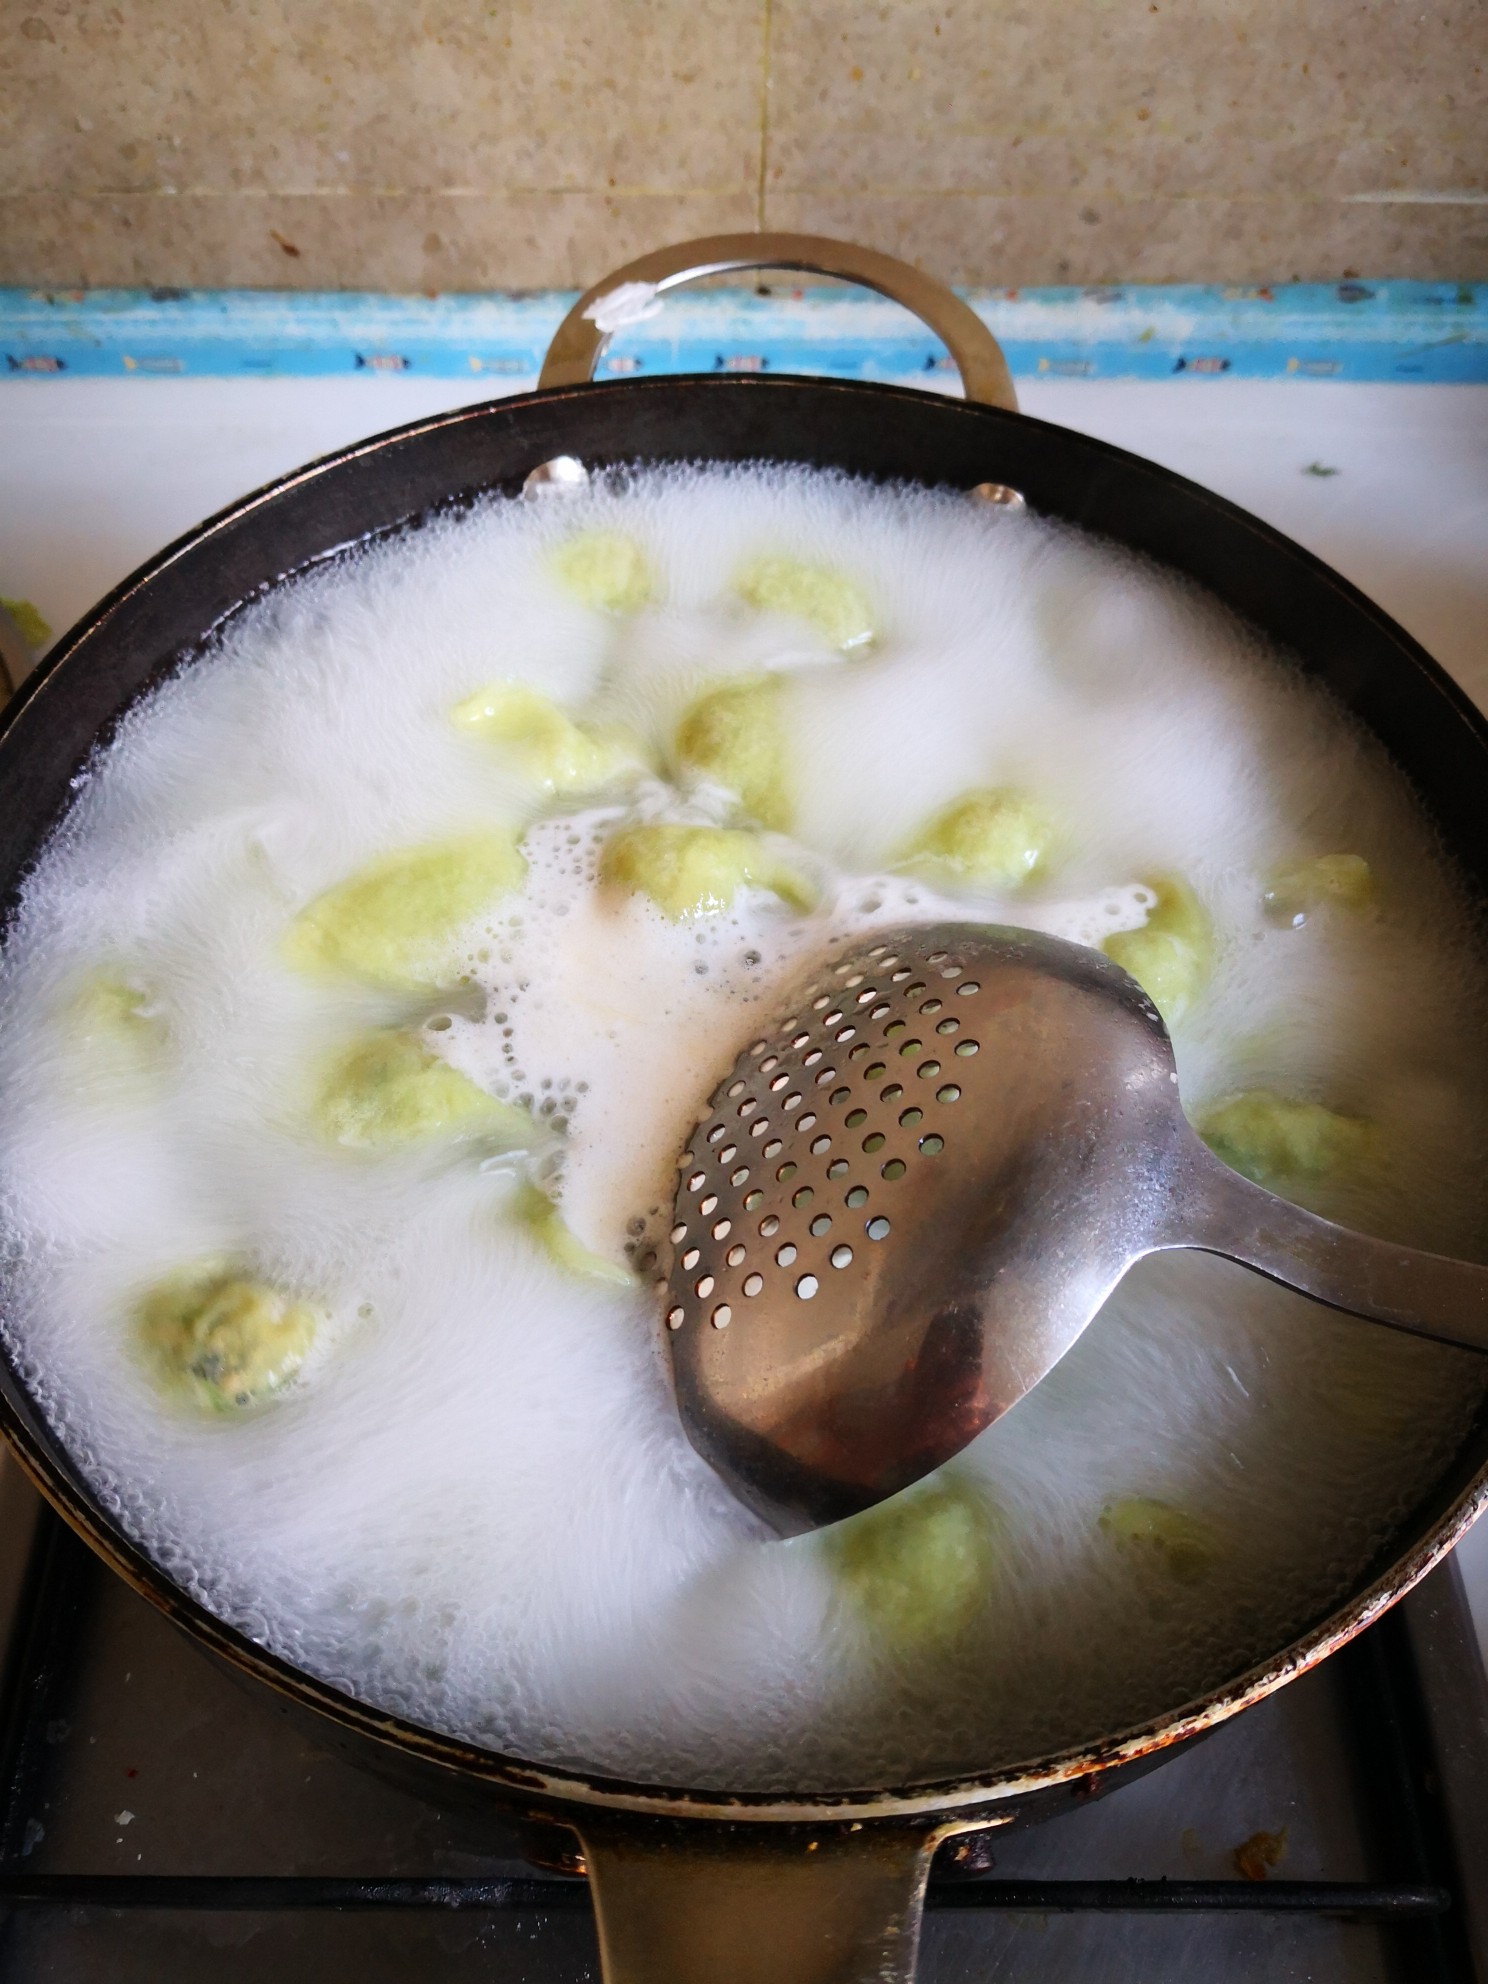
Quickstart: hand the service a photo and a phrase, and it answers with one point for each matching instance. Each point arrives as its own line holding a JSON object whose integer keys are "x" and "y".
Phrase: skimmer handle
{"x": 579, "y": 342}
{"x": 1429, "y": 1295}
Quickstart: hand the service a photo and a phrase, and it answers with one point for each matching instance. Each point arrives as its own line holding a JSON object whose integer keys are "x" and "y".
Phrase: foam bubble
{"x": 477, "y": 1507}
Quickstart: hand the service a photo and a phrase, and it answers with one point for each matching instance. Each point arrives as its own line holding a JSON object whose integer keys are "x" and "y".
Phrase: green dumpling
{"x": 114, "y": 1012}
{"x": 1172, "y": 954}
{"x": 387, "y": 1090}
{"x": 697, "y": 871}
{"x": 828, "y": 600}
{"x": 561, "y": 1244}
{"x": 735, "y": 736}
{"x": 541, "y": 741}
{"x": 222, "y": 1338}
{"x": 394, "y": 923}
{"x": 1286, "y": 1145}
{"x": 1296, "y": 890}
{"x": 606, "y": 570}
{"x": 919, "y": 1567}
{"x": 992, "y": 835}
{"x": 1158, "y": 1537}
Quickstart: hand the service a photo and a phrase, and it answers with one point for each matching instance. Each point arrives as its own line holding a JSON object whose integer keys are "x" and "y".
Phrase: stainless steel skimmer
{"x": 912, "y": 1193}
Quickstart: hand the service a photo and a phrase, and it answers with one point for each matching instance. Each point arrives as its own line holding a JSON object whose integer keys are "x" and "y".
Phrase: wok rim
{"x": 974, "y": 1794}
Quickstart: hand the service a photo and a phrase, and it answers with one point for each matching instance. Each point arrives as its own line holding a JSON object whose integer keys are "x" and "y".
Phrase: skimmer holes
{"x": 792, "y": 1072}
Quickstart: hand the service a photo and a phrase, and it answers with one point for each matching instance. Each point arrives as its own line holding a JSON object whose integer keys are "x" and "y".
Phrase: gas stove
{"x": 163, "y": 1820}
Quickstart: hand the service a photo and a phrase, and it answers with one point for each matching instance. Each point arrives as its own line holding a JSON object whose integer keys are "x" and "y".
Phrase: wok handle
{"x": 687, "y": 1902}
{"x": 580, "y": 341}
{"x": 1430, "y": 1295}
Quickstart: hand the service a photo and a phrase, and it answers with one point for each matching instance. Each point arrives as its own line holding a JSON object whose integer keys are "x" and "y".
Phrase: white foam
{"x": 478, "y": 1507}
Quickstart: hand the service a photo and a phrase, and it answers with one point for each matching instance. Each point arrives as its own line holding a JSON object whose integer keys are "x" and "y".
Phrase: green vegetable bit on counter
{"x": 224, "y": 1339}
{"x": 394, "y": 924}
{"x": 1295, "y": 891}
{"x": 697, "y": 871}
{"x": 919, "y": 1567}
{"x": 388, "y": 1090}
{"x": 1284, "y": 1144}
{"x": 1161, "y": 1538}
{"x": 605, "y": 570}
{"x": 1172, "y": 954}
{"x": 537, "y": 1212}
{"x": 735, "y": 737}
{"x": 828, "y": 600}
{"x": 992, "y": 835}
{"x": 33, "y": 629}
{"x": 546, "y": 745}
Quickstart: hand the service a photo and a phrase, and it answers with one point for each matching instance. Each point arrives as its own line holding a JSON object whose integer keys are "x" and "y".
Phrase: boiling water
{"x": 476, "y": 1506}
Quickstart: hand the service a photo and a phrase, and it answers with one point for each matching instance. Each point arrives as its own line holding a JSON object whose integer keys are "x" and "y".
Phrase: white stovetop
{"x": 96, "y": 474}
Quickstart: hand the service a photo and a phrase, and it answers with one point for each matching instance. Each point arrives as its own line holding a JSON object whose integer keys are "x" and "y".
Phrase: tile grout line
{"x": 825, "y": 189}
{"x": 764, "y": 139}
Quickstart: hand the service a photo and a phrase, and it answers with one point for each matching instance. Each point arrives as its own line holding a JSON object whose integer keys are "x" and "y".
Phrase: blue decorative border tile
{"x": 1415, "y": 331}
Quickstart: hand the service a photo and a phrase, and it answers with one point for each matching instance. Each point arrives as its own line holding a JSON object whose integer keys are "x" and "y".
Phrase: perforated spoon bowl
{"x": 910, "y": 1196}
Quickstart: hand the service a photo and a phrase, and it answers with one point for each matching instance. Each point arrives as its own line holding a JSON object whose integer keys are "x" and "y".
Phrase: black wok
{"x": 701, "y": 1887}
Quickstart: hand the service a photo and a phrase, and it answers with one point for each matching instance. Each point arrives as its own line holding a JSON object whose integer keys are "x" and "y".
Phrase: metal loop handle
{"x": 579, "y": 342}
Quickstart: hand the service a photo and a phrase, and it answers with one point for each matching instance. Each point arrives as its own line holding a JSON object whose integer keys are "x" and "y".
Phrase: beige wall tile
{"x": 393, "y": 241}
{"x": 981, "y": 238}
{"x": 1135, "y": 97}
{"x": 378, "y": 96}
{"x": 523, "y": 143}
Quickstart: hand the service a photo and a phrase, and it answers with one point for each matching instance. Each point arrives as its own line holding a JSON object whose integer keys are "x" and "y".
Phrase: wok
{"x": 698, "y": 1887}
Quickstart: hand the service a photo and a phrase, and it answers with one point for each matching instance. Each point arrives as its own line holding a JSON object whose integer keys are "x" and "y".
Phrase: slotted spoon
{"x": 910, "y": 1195}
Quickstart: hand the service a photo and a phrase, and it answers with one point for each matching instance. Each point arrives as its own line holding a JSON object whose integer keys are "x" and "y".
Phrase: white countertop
{"x": 96, "y": 474}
